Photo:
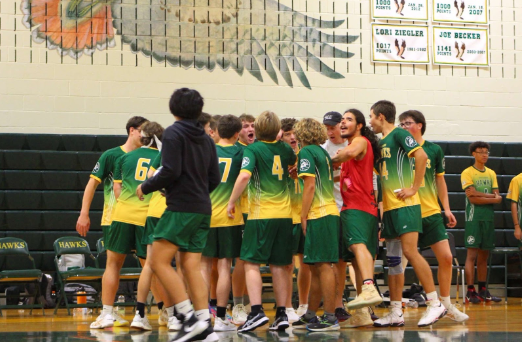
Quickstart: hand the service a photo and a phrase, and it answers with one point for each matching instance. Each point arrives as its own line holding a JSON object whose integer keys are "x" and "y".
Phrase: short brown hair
{"x": 310, "y": 132}
{"x": 417, "y": 116}
{"x": 135, "y": 122}
{"x": 386, "y": 108}
{"x": 204, "y": 119}
{"x": 247, "y": 118}
{"x": 267, "y": 126}
{"x": 287, "y": 124}
{"x": 229, "y": 125}
{"x": 214, "y": 121}
{"x": 148, "y": 131}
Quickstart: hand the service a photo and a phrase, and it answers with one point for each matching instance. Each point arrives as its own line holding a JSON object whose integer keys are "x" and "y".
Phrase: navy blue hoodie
{"x": 190, "y": 168}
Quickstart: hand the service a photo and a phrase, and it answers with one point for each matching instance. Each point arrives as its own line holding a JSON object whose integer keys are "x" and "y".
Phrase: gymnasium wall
{"x": 94, "y": 90}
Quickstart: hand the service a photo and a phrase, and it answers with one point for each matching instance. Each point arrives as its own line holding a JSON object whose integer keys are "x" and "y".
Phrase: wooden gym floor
{"x": 488, "y": 322}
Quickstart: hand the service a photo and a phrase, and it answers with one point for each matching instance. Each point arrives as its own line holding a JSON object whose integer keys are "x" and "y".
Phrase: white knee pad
{"x": 394, "y": 256}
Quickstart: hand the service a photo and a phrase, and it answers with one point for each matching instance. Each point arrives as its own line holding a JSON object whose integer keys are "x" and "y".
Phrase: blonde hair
{"x": 267, "y": 126}
{"x": 310, "y": 132}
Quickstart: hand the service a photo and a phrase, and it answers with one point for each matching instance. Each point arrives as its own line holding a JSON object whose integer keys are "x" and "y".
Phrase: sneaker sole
{"x": 177, "y": 328}
{"x": 362, "y": 304}
{"x": 393, "y": 325}
{"x": 435, "y": 321}
{"x": 121, "y": 324}
{"x": 280, "y": 327}
{"x": 332, "y": 328}
{"x": 102, "y": 326}
{"x": 299, "y": 327}
{"x": 456, "y": 320}
{"x": 258, "y": 324}
{"x": 224, "y": 330}
{"x": 356, "y": 326}
{"x": 140, "y": 326}
{"x": 200, "y": 327}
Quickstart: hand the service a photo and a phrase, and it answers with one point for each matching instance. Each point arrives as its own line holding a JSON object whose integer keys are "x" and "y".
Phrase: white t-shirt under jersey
{"x": 332, "y": 149}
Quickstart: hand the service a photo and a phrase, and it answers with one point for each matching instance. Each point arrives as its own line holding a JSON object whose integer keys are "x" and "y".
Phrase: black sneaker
{"x": 190, "y": 328}
{"x": 253, "y": 321}
{"x": 341, "y": 314}
{"x": 372, "y": 314}
{"x": 323, "y": 325}
{"x": 487, "y": 297}
{"x": 302, "y": 322}
{"x": 208, "y": 335}
{"x": 471, "y": 297}
{"x": 280, "y": 323}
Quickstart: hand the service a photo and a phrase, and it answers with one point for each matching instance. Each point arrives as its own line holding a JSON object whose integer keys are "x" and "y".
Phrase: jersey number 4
{"x": 141, "y": 169}
{"x": 277, "y": 167}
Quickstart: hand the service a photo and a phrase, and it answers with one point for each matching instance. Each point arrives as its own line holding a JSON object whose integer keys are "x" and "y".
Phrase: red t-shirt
{"x": 357, "y": 183}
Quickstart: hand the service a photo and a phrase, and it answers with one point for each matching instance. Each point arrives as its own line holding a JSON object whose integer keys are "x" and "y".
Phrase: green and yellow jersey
{"x": 396, "y": 168}
{"x": 244, "y": 196}
{"x": 158, "y": 202}
{"x": 295, "y": 186}
{"x": 229, "y": 157}
{"x": 429, "y": 196}
{"x": 515, "y": 194}
{"x": 483, "y": 181}
{"x": 103, "y": 172}
{"x": 314, "y": 161}
{"x": 131, "y": 171}
{"x": 268, "y": 193}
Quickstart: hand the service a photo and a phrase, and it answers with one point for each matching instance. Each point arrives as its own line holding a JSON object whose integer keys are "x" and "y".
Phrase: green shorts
{"x": 188, "y": 231}
{"x": 224, "y": 242}
{"x": 148, "y": 234}
{"x": 266, "y": 241}
{"x": 359, "y": 227}
{"x": 123, "y": 238}
{"x": 401, "y": 221}
{"x": 321, "y": 235}
{"x": 480, "y": 234}
{"x": 433, "y": 231}
{"x": 298, "y": 239}
{"x": 105, "y": 230}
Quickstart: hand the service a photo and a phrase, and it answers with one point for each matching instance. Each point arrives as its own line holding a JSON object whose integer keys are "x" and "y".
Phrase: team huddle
{"x": 216, "y": 192}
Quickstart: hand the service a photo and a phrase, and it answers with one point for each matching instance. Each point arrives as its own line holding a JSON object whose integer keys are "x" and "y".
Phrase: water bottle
{"x": 412, "y": 303}
{"x": 120, "y": 310}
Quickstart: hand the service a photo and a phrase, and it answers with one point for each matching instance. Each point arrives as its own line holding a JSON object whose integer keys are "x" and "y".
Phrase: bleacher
{"x": 42, "y": 178}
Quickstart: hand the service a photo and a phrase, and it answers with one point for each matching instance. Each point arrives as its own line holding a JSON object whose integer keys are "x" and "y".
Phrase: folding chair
{"x": 76, "y": 245}
{"x": 14, "y": 247}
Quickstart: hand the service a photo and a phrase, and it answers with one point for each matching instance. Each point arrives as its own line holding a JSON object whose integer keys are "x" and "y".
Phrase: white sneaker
{"x": 394, "y": 318}
{"x": 140, "y": 323}
{"x": 104, "y": 320}
{"x": 223, "y": 325}
{"x": 360, "y": 318}
{"x": 369, "y": 296}
{"x": 163, "y": 317}
{"x": 432, "y": 314}
{"x": 174, "y": 323}
{"x": 301, "y": 310}
{"x": 292, "y": 316}
{"x": 119, "y": 321}
{"x": 239, "y": 314}
{"x": 456, "y": 315}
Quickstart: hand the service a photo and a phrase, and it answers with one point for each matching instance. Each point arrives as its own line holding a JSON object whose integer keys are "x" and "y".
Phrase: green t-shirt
{"x": 314, "y": 161}
{"x": 229, "y": 157}
{"x": 483, "y": 181}
{"x": 244, "y": 196}
{"x": 396, "y": 168}
{"x": 428, "y": 193}
{"x": 156, "y": 163}
{"x": 131, "y": 171}
{"x": 103, "y": 172}
{"x": 268, "y": 194}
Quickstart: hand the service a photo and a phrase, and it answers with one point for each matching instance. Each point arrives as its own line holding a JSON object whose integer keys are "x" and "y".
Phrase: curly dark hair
{"x": 478, "y": 144}
{"x": 367, "y": 132}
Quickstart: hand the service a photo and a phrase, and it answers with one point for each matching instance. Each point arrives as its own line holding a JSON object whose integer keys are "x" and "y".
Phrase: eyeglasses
{"x": 486, "y": 153}
{"x": 406, "y": 124}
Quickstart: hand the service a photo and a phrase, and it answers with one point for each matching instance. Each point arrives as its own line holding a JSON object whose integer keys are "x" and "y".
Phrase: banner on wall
{"x": 460, "y": 11}
{"x": 400, "y": 9}
{"x": 460, "y": 46}
{"x": 400, "y": 44}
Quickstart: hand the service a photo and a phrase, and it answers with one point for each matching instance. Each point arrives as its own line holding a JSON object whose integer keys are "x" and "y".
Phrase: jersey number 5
{"x": 277, "y": 168}
{"x": 141, "y": 169}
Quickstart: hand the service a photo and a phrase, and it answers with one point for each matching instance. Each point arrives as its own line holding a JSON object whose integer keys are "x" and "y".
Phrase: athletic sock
{"x": 471, "y": 287}
{"x": 433, "y": 298}
{"x": 238, "y": 300}
{"x": 280, "y": 311}
{"x": 309, "y": 314}
{"x": 330, "y": 317}
{"x": 185, "y": 308}
{"x": 160, "y": 305}
{"x": 170, "y": 311}
{"x": 203, "y": 315}
{"x": 213, "y": 302}
{"x": 446, "y": 301}
{"x": 256, "y": 309}
{"x": 246, "y": 300}
{"x": 482, "y": 285}
{"x": 368, "y": 282}
{"x": 221, "y": 312}
{"x": 107, "y": 309}
{"x": 396, "y": 305}
{"x": 140, "y": 307}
